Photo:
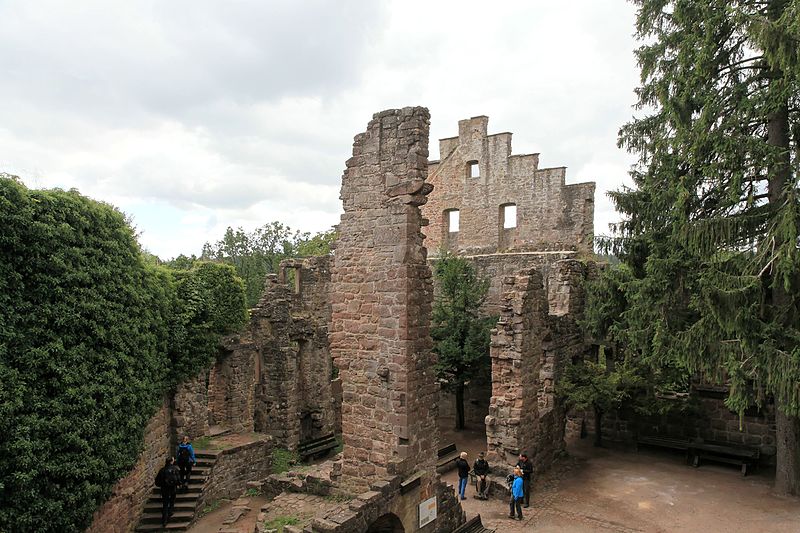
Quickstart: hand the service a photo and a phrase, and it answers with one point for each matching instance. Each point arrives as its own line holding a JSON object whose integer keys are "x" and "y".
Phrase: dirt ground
{"x": 650, "y": 491}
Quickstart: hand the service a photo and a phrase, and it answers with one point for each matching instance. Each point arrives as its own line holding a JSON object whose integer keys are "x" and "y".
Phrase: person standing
{"x": 517, "y": 494}
{"x": 526, "y": 466}
{"x": 463, "y": 474}
{"x": 167, "y": 480}
{"x": 186, "y": 460}
{"x": 481, "y": 469}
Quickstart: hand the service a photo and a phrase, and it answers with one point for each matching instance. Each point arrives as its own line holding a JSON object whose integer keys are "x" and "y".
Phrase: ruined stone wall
{"x": 294, "y": 397}
{"x": 120, "y": 513}
{"x": 702, "y": 416}
{"x": 381, "y": 302}
{"x": 236, "y": 466}
{"x": 231, "y": 385}
{"x": 551, "y": 215}
{"x": 190, "y": 407}
{"x": 536, "y": 335}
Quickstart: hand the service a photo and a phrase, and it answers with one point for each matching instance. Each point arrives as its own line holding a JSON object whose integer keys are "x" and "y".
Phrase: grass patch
{"x": 252, "y": 493}
{"x": 279, "y": 522}
{"x": 213, "y": 506}
{"x": 283, "y": 460}
{"x": 202, "y": 443}
{"x": 339, "y": 497}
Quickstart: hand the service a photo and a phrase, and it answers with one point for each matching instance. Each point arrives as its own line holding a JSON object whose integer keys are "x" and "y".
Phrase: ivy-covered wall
{"x": 91, "y": 336}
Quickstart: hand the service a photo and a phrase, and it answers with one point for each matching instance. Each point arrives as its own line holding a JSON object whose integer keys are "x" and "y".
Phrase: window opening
{"x": 473, "y": 169}
{"x": 509, "y": 216}
{"x": 452, "y": 220}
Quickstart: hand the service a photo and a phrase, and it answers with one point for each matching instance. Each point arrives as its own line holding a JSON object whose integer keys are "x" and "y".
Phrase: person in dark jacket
{"x": 526, "y": 466}
{"x": 517, "y": 494}
{"x": 186, "y": 460}
{"x": 481, "y": 469}
{"x": 167, "y": 480}
{"x": 463, "y": 474}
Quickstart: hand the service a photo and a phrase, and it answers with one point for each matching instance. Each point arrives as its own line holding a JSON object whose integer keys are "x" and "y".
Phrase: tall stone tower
{"x": 381, "y": 294}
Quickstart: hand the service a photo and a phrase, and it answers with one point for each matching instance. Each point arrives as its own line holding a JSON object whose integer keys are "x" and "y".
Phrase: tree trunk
{"x": 460, "y": 406}
{"x": 787, "y": 470}
{"x": 598, "y": 427}
{"x": 787, "y": 435}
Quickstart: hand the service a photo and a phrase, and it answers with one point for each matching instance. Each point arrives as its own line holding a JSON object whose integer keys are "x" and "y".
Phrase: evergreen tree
{"x": 460, "y": 332}
{"x": 711, "y": 228}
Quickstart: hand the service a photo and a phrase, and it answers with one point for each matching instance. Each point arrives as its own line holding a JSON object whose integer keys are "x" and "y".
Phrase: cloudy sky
{"x": 192, "y": 116}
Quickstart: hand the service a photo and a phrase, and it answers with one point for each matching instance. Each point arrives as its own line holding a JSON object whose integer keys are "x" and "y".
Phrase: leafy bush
{"x": 91, "y": 336}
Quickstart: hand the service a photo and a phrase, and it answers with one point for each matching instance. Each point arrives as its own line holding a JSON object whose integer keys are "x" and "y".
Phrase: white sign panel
{"x": 427, "y": 511}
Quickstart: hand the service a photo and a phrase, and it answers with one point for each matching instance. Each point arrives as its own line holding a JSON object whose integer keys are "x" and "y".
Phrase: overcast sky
{"x": 192, "y": 116}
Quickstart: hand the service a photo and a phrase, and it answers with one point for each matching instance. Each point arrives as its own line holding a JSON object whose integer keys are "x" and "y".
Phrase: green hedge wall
{"x": 90, "y": 338}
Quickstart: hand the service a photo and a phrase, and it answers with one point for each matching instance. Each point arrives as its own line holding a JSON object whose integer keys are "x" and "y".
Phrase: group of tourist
{"x": 174, "y": 475}
{"x": 519, "y": 481}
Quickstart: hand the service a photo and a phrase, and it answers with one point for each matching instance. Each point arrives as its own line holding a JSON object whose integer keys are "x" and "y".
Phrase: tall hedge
{"x": 89, "y": 342}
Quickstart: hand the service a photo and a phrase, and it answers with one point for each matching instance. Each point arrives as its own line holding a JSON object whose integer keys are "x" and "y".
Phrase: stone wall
{"x": 387, "y": 498}
{"x": 536, "y": 335}
{"x": 231, "y": 385}
{"x": 236, "y": 466}
{"x": 190, "y": 407}
{"x": 476, "y": 404}
{"x": 551, "y": 215}
{"x": 701, "y": 416}
{"x": 381, "y": 300}
{"x": 294, "y": 397}
{"x": 120, "y": 513}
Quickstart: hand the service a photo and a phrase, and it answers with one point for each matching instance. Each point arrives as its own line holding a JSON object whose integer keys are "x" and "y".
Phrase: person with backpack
{"x": 526, "y": 466}
{"x": 481, "y": 469}
{"x": 516, "y": 495}
{"x": 167, "y": 480}
{"x": 186, "y": 460}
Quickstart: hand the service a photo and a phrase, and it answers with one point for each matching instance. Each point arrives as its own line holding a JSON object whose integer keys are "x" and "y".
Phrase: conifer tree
{"x": 711, "y": 226}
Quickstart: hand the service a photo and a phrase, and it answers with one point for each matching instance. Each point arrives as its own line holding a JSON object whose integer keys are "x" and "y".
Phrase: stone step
{"x": 180, "y": 507}
{"x": 171, "y": 526}
{"x": 180, "y": 497}
{"x": 155, "y": 518}
{"x": 193, "y": 488}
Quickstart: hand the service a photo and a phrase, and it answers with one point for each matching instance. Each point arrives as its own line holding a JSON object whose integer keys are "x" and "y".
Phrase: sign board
{"x": 427, "y": 511}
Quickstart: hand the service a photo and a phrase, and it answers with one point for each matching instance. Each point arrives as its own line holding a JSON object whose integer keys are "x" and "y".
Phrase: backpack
{"x": 183, "y": 455}
{"x": 172, "y": 476}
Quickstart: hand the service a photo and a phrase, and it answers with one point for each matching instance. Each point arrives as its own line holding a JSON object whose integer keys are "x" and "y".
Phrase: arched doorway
{"x": 388, "y": 523}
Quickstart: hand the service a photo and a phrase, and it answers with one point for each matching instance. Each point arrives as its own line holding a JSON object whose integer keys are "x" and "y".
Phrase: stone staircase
{"x": 186, "y": 503}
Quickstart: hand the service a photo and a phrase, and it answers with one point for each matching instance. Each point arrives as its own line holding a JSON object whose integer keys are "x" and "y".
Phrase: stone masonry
{"x": 381, "y": 302}
{"x": 294, "y": 399}
{"x": 478, "y": 176}
{"x": 535, "y": 336}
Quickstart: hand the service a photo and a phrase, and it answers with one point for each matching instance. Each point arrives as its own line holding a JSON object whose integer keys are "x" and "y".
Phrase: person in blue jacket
{"x": 517, "y": 494}
{"x": 186, "y": 460}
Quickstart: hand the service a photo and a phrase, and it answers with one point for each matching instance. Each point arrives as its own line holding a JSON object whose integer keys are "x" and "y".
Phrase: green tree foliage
{"x": 258, "y": 253}
{"x": 598, "y": 386}
{"x": 85, "y": 346}
{"x": 711, "y": 227}
{"x": 459, "y": 330}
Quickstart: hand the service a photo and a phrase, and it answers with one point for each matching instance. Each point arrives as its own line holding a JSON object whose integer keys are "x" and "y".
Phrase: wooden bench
{"x": 317, "y": 447}
{"x": 473, "y": 526}
{"x": 664, "y": 442}
{"x": 724, "y": 453}
{"x": 446, "y": 456}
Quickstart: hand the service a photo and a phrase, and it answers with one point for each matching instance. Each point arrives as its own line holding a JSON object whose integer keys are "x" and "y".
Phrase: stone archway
{"x": 388, "y": 523}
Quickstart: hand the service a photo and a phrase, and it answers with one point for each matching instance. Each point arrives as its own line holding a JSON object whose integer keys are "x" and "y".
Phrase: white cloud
{"x": 195, "y": 116}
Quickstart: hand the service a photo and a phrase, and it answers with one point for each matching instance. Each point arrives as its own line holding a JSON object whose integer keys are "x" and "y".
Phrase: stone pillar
{"x": 517, "y": 357}
{"x": 381, "y": 296}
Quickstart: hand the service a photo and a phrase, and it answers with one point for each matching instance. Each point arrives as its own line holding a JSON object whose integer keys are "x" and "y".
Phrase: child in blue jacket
{"x": 517, "y": 495}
